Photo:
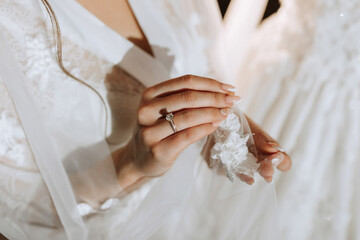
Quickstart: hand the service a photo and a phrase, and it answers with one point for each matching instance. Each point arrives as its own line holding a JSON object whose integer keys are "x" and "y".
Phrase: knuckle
{"x": 156, "y": 152}
{"x": 218, "y": 84}
{"x": 143, "y": 111}
{"x": 145, "y": 134}
{"x": 218, "y": 98}
{"x": 188, "y": 96}
{"x": 188, "y": 78}
{"x": 147, "y": 93}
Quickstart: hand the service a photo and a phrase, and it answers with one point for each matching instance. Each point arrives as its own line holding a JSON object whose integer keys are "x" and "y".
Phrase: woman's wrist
{"x": 128, "y": 174}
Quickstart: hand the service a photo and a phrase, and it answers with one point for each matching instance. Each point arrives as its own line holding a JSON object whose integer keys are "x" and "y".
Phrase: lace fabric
{"x": 46, "y": 78}
{"x": 232, "y": 141}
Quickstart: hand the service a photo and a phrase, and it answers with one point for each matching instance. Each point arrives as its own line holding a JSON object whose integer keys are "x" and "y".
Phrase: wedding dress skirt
{"x": 54, "y": 161}
{"x": 304, "y": 69}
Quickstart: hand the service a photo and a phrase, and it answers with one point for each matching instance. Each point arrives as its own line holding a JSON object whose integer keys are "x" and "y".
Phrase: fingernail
{"x": 271, "y": 180}
{"x": 268, "y": 179}
{"x": 225, "y": 111}
{"x": 276, "y": 147}
{"x": 250, "y": 182}
{"x": 275, "y": 162}
{"x": 232, "y": 99}
{"x": 228, "y": 87}
{"x": 275, "y": 159}
{"x": 216, "y": 124}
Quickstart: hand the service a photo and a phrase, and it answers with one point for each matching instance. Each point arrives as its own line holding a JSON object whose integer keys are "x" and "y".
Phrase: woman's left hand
{"x": 269, "y": 153}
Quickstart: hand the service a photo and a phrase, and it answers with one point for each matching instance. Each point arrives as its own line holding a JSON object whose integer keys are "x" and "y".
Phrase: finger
{"x": 176, "y": 143}
{"x": 261, "y": 138}
{"x": 276, "y": 146}
{"x": 206, "y": 153}
{"x": 275, "y": 159}
{"x": 267, "y": 147}
{"x": 246, "y": 179}
{"x": 186, "y": 119}
{"x": 286, "y": 164}
{"x": 262, "y": 144}
{"x": 266, "y": 170}
{"x": 150, "y": 112}
{"x": 268, "y": 179}
{"x": 280, "y": 159}
{"x": 187, "y": 82}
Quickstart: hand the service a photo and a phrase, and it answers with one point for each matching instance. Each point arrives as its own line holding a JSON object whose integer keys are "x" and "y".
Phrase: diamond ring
{"x": 170, "y": 118}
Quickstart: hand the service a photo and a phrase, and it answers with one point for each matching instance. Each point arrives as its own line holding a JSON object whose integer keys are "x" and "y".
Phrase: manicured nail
{"x": 275, "y": 162}
{"x": 216, "y": 124}
{"x": 232, "y": 99}
{"x": 250, "y": 182}
{"x": 228, "y": 87}
{"x": 225, "y": 111}
{"x": 275, "y": 159}
{"x": 273, "y": 145}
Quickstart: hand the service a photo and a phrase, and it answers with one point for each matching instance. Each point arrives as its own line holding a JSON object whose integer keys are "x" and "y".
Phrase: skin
{"x": 117, "y": 14}
{"x": 199, "y": 105}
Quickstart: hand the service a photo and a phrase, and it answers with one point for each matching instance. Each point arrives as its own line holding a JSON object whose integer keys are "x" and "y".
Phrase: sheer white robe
{"x": 52, "y": 127}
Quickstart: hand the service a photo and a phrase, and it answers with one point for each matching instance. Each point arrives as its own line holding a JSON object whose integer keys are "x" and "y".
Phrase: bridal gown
{"x": 304, "y": 69}
{"x": 54, "y": 160}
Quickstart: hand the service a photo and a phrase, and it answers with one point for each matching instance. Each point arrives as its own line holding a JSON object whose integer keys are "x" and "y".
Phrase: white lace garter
{"x": 233, "y": 139}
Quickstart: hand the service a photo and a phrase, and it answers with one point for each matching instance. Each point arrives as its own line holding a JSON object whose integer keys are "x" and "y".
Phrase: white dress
{"x": 304, "y": 66}
{"x": 61, "y": 129}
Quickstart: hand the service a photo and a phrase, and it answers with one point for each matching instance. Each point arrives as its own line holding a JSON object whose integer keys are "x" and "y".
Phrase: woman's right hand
{"x": 199, "y": 105}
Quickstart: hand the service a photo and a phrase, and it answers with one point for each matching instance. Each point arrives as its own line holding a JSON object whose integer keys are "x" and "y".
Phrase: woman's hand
{"x": 269, "y": 153}
{"x": 199, "y": 105}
